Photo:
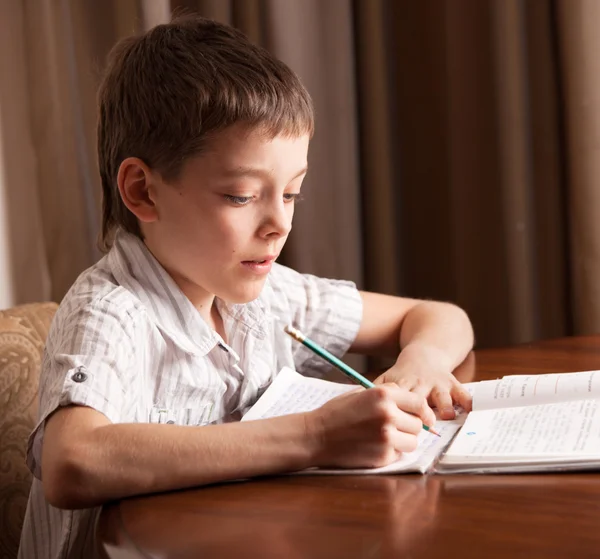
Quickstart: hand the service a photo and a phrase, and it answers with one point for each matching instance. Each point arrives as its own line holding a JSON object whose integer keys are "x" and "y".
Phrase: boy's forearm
{"x": 120, "y": 460}
{"x": 439, "y": 327}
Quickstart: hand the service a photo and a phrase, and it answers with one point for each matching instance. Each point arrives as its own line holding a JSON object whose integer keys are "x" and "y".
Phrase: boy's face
{"x": 223, "y": 222}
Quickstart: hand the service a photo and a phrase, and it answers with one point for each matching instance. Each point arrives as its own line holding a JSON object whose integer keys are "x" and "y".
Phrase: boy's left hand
{"x": 425, "y": 370}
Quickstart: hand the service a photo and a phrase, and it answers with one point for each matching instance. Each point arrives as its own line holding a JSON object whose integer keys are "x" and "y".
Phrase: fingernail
{"x": 448, "y": 411}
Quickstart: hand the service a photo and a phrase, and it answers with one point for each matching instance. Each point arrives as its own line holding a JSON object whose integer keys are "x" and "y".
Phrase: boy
{"x": 203, "y": 141}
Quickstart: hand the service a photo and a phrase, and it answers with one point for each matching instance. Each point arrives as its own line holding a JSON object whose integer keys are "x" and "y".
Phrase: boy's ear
{"x": 136, "y": 183}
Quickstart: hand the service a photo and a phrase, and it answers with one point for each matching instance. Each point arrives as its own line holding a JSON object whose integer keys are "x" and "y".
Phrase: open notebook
{"x": 291, "y": 392}
{"x": 520, "y": 423}
{"x": 523, "y": 423}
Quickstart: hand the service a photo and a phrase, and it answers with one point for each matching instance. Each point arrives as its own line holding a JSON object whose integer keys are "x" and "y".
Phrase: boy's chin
{"x": 241, "y": 297}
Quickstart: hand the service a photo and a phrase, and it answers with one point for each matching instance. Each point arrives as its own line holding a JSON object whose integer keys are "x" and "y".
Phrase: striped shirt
{"x": 128, "y": 343}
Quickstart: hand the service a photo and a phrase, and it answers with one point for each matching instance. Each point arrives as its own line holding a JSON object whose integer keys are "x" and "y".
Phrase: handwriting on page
{"x": 305, "y": 396}
{"x": 525, "y": 390}
{"x": 291, "y": 392}
{"x": 560, "y": 429}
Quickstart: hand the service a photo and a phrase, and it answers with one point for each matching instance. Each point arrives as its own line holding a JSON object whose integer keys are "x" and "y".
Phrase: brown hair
{"x": 166, "y": 91}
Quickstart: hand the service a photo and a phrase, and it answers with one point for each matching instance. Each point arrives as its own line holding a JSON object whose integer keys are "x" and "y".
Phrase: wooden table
{"x": 485, "y": 516}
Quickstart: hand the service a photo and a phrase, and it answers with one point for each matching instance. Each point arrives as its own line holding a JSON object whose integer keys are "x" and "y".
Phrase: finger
{"x": 404, "y": 398}
{"x": 442, "y": 400}
{"x": 428, "y": 415}
{"x": 412, "y": 403}
{"x": 407, "y": 423}
{"x": 404, "y": 441}
{"x": 462, "y": 397}
{"x": 423, "y": 390}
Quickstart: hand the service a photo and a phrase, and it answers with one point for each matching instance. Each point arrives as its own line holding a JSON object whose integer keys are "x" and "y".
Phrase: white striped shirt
{"x": 127, "y": 342}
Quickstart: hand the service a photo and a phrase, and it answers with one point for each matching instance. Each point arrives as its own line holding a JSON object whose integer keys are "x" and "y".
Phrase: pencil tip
{"x": 431, "y": 430}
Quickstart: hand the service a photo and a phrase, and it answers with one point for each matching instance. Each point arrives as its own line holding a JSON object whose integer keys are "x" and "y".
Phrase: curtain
{"x": 478, "y": 189}
{"x": 577, "y": 29}
{"x": 453, "y": 156}
{"x": 23, "y": 269}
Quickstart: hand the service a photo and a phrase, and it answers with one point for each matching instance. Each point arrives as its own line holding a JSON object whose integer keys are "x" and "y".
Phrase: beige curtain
{"x": 23, "y": 266}
{"x": 453, "y": 157}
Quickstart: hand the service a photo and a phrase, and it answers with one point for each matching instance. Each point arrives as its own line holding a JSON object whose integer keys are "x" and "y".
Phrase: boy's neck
{"x": 203, "y": 301}
{"x": 216, "y": 322}
{"x": 211, "y": 315}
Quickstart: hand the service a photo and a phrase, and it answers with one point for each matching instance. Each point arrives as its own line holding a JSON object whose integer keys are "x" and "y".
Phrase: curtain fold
{"x": 57, "y": 71}
{"x": 24, "y": 273}
{"x": 375, "y": 105}
{"x": 580, "y": 69}
{"x": 548, "y": 164}
{"x": 514, "y": 162}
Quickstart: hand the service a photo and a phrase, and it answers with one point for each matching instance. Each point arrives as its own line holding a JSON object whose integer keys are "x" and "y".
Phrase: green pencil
{"x": 347, "y": 370}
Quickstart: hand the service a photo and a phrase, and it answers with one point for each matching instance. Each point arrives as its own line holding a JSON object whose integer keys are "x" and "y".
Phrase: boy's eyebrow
{"x": 258, "y": 172}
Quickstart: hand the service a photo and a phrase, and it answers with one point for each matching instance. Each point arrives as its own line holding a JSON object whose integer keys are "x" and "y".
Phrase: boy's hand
{"x": 425, "y": 371}
{"x": 368, "y": 428}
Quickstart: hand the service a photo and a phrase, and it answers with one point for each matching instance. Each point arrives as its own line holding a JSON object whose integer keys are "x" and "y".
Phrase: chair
{"x": 23, "y": 331}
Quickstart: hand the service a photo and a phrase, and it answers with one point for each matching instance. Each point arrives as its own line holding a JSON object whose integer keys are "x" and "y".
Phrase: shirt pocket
{"x": 181, "y": 416}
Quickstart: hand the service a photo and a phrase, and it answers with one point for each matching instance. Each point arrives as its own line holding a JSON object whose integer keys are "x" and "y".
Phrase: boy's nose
{"x": 278, "y": 222}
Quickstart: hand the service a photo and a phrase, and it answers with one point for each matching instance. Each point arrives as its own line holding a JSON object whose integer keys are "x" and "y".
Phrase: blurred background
{"x": 455, "y": 154}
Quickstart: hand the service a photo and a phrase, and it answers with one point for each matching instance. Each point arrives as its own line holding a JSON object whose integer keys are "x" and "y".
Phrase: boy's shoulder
{"x": 96, "y": 290}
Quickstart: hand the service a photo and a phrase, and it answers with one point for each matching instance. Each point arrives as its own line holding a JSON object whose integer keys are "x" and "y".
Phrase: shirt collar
{"x": 135, "y": 268}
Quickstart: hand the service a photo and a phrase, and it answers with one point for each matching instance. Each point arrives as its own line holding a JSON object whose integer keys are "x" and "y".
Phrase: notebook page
{"x": 291, "y": 392}
{"x": 564, "y": 429}
{"x": 526, "y": 390}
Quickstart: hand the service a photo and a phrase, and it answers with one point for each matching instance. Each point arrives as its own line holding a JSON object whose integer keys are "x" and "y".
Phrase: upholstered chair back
{"x": 23, "y": 333}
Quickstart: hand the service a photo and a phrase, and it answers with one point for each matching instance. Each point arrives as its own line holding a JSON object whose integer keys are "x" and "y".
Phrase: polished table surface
{"x": 330, "y": 517}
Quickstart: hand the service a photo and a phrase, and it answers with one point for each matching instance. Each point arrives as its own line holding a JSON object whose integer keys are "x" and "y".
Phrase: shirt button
{"x": 79, "y": 376}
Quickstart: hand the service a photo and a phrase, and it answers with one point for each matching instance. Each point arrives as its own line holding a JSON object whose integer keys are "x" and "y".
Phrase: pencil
{"x": 347, "y": 370}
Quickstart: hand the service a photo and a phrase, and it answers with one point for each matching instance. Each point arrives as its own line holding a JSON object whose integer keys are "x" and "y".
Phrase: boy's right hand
{"x": 368, "y": 428}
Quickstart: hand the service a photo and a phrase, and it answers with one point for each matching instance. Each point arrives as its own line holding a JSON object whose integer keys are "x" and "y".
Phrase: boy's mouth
{"x": 260, "y": 265}
{"x": 268, "y": 259}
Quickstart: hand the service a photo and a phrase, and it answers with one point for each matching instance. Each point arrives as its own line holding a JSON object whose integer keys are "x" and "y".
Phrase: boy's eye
{"x": 238, "y": 200}
{"x": 292, "y": 196}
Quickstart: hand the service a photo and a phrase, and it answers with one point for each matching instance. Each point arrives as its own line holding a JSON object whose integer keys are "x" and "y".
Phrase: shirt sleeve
{"x": 86, "y": 361}
{"x": 328, "y": 311}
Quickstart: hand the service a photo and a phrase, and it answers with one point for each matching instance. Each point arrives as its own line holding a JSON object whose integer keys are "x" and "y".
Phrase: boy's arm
{"x": 87, "y": 460}
{"x": 433, "y": 338}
